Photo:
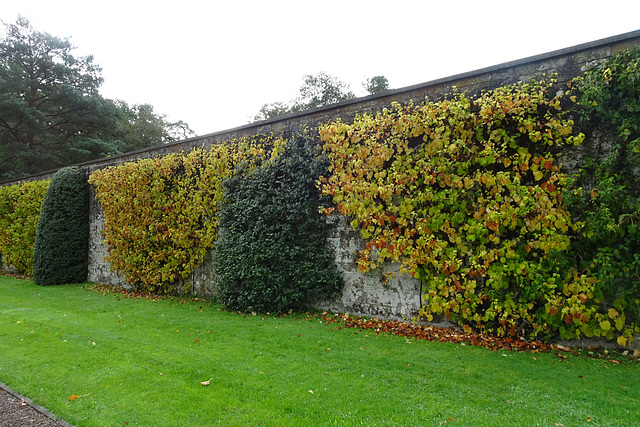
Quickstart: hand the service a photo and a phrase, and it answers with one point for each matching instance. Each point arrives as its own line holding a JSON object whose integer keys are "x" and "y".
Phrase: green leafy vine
{"x": 467, "y": 195}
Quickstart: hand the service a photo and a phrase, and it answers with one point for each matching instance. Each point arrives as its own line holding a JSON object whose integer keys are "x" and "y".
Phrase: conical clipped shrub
{"x": 272, "y": 252}
{"x": 62, "y": 237}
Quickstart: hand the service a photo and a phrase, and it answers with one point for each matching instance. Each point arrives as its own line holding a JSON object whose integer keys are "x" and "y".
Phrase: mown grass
{"x": 140, "y": 362}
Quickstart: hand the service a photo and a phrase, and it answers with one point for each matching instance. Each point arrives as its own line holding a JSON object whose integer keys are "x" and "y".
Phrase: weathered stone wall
{"x": 374, "y": 293}
{"x": 99, "y": 269}
{"x": 370, "y": 293}
{"x": 3, "y": 267}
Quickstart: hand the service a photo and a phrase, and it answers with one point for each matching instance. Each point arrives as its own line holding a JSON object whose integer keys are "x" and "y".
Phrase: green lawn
{"x": 140, "y": 362}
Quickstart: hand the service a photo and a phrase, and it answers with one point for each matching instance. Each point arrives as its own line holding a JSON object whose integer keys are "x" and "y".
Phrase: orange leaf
{"x": 553, "y": 311}
{"x": 75, "y": 396}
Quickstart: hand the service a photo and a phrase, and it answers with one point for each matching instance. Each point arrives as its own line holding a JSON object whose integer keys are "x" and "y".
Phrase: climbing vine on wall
{"x": 161, "y": 213}
{"x": 606, "y": 195}
{"x": 19, "y": 212}
{"x": 610, "y": 93}
{"x": 466, "y": 195}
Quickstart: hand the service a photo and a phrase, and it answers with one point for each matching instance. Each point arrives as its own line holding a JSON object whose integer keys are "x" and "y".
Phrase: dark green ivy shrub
{"x": 62, "y": 237}
{"x": 272, "y": 252}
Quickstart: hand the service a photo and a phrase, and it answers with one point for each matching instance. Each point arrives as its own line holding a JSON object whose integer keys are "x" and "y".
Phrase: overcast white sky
{"x": 214, "y": 63}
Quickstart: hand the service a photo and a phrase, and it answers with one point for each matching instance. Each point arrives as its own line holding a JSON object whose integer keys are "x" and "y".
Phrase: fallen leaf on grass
{"x": 75, "y": 396}
{"x": 207, "y": 382}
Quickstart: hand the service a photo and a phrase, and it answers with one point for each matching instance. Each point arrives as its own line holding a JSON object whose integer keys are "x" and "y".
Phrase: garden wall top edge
{"x": 565, "y": 63}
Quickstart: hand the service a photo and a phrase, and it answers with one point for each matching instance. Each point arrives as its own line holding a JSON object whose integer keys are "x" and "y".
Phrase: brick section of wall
{"x": 371, "y": 293}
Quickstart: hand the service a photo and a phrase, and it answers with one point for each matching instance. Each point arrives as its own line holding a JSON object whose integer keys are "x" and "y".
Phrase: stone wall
{"x": 374, "y": 293}
{"x": 370, "y": 293}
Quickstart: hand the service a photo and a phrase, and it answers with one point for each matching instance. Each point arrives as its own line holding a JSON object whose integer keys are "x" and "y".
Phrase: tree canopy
{"x": 139, "y": 126}
{"x": 376, "y": 84}
{"x": 319, "y": 90}
{"x": 51, "y": 111}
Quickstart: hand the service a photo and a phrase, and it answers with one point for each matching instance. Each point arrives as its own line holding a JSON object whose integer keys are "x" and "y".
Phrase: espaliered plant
{"x": 272, "y": 253}
{"x": 466, "y": 194}
{"x": 19, "y": 211}
{"x": 62, "y": 237}
{"x": 606, "y": 199}
{"x": 161, "y": 214}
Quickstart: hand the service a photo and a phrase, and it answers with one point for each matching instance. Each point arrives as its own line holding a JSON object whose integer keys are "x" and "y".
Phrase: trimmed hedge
{"x": 19, "y": 211}
{"x": 62, "y": 238}
{"x": 272, "y": 252}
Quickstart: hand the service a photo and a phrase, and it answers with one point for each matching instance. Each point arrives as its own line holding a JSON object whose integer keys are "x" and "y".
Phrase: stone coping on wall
{"x": 565, "y": 63}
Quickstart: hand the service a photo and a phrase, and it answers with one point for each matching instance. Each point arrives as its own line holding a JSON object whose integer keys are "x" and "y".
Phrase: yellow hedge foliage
{"x": 161, "y": 213}
{"x": 19, "y": 213}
